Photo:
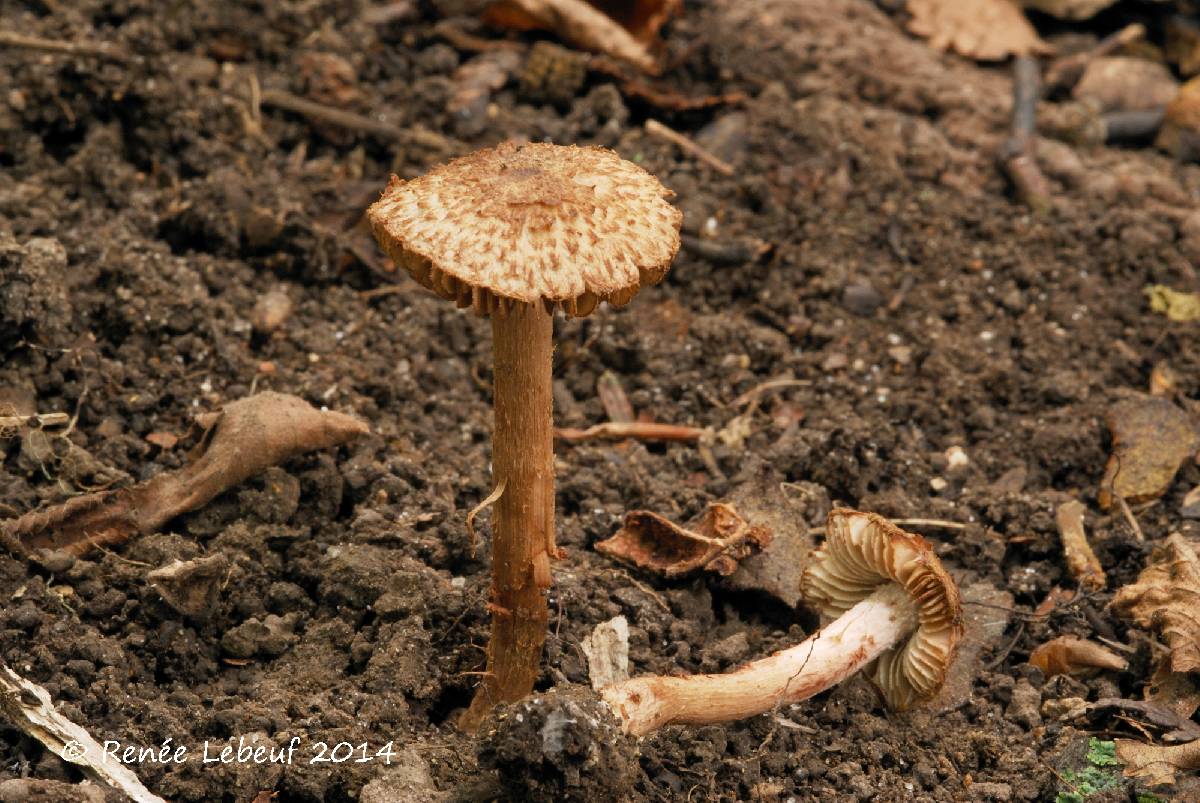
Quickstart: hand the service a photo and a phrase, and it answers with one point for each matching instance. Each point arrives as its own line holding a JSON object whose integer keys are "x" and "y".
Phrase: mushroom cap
{"x": 569, "y": 226}
{"x": 863, "y": 551}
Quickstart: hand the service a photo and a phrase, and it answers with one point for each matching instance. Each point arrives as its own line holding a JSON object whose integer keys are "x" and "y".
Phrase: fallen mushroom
{"x": 515, "y": 232}
{"x": 899, "y": 616}
{"x": 246, "y": 437}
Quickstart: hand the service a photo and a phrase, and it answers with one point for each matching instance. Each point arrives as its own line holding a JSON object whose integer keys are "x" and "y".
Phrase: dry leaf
{"x": 190, "y": 587}
{"x": 718, "y": 541}
{"x": 1177, "y": 306}
{"x": 987, "y": 30}
{"x": 1067, "y": 655}
{"x": 1151, "y": 440}
{"x": 248, "y": 436}
{"x": 1069, "y": 9}
{"x": 1166, "y": 597}
{"x": 1157, "y": 765}
{"x": 587, "y": 26}
{"x": 1174, "y": 690}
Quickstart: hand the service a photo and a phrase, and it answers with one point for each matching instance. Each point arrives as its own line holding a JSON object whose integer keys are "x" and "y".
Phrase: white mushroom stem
{"x": 823, "y": 660}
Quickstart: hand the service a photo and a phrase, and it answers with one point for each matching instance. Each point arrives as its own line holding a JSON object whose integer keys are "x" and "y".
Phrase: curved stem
{"x": 824, "y": 659}
{"x": 523, "y": 522}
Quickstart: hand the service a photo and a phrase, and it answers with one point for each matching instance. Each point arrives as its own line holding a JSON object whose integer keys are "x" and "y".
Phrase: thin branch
{"x": 656, "y": 129}
{"x": 101, "y": 50}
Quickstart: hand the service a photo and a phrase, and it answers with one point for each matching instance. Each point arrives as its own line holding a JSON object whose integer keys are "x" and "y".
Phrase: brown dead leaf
{"x": 1156, "y": 765}
{"x": 593, "y": 26}
{"x": 163, "y": 440}
{"x": 243, "y": 439}
{"x": 1067, "y": 655}
{"x": 190, "y": 587}
{"x": 987, "y": 30}
{"x": 612, "y": 397}
{"x": 1166, "y": 597}
{"x": 719, "y": 540}
{"x": 1174, "y": 690}
{"x": 1151, "y": 440}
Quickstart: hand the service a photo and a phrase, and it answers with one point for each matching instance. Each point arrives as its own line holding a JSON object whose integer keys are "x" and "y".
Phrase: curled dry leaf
{"x": 593, "y": 26}
{"x": 718, "y": 541}
{"x": 1166, "y": 597}
{"x": 190, "y": 587}
{"x": 1156, "y": 765}
{"x": 987, "y": 30}
{"x": 1067, "y": 655}
{"x": 246, "y": 437}
{"x": 1151, "y": 440}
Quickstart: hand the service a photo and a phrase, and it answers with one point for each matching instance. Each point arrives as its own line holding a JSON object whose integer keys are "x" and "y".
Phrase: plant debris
{"x": 246, "y": 437}
{"x": 588, "y": 26}
{"x": 1068, "y": 655}
{"x": 637, "y": 430}
{"x": 1176, "y": 305}
{"x": 1156, "y": 765}
{"x": 1151, "y": 439}
{"x": 1166, "y": 598}
{"x": 190, "y": 587}
{"x": 987, "y": 30}
{"x": 716, "y": 542}
{"x": 1081, "y": 560}
{"x": 29, "y": 707}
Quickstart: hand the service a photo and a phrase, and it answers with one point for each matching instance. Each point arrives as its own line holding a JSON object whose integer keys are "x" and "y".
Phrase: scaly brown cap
{"x": 862, "y": 552}
{"x": 564, "y": 225}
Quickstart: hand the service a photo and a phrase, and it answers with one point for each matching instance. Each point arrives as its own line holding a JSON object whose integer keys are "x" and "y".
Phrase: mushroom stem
{"x": 523, "y": 522}
{"x": 824, "y": 659}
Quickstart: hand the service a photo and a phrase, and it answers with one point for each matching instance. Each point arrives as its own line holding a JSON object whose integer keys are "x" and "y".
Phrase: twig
{"x": 279, "y": 99}
{"x": 1065, "y": 73}
{"x": 656, "y": 129}
{"x": 29, "y": 707}
{"x": 1081, "y": 560}
{"x": 638, "y": 430}
{"x": 732, "y": 252}
{"x": 1016, "y": 155}
{"x": 99, "y": 49}
{"x": 754, "y": 392}
{"x": 1130, "y": 518}
{"x": 941, "y": 524}
{"x": 465, "y": 40}
{"x": 383, "y": 290}
{"x": 35, "y": 420}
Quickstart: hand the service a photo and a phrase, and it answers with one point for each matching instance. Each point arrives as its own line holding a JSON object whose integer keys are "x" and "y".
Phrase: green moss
{"x": 1093, "y": 778}
{"x": 1102, "y": 754}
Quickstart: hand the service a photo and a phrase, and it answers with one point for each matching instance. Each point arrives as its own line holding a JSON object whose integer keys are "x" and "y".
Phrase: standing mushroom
{"x": 896, "y": 607}
{"x": 515, "y": 232}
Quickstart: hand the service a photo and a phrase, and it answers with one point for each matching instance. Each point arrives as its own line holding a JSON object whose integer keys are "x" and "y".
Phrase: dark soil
{"x": 146, "y": 206}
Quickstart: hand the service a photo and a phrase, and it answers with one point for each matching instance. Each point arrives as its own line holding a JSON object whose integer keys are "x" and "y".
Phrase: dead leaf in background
{"x": 718, "y": 541}
{"x": 1177, "y": 306}
{"x": 1069, "y": 9}
{"x": 245, "y": 438}
{"x": 1166, "y": 597}
{"x": 1067, "y": 655}
{"x": 1174, "y": 690}
{"x": 987, "y": 30}
{"x": 1156, "y": 765}
{"x": 590, "y": 26}
{"x": 1151, "y": 439}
